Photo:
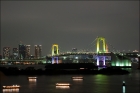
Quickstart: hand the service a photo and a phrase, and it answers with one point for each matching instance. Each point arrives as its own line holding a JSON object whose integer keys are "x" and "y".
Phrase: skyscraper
{"x": 27, "y": 56}
{"x": 6, "y": 52}
{"x": 38, "y": 49}
{"x": 22, "y": 51}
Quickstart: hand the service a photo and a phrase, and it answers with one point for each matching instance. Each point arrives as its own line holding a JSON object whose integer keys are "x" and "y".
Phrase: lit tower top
{"x": 55, "y": 50}
{"x": 98, "y": 44}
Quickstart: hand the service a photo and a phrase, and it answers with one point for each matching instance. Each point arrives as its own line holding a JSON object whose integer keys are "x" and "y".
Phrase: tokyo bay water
{"x": 90, "y": 84}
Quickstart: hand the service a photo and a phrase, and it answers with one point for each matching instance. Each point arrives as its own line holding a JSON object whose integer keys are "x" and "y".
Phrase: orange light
{"x": 11, "y": 87}
{"x": 32, "y": 80}
{"x": 32, "y": 77}
{"x": 62, "y": 84}
{"x": 63, "y": 87}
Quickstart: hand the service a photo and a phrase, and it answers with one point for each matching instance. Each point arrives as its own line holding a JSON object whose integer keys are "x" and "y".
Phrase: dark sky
{"x": 70, "y": 24}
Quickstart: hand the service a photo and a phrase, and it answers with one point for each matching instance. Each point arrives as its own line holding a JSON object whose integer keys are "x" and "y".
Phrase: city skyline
{"x": 37, "y": 49}
{"x": 71, "y": 24}
{"x": 33, "y": 48}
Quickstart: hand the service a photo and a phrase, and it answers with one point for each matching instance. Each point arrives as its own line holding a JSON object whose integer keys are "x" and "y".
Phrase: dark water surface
{"x": 90, "y": 83}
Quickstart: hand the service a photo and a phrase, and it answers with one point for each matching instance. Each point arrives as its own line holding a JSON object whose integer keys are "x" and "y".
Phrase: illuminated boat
{"x": 11, "y": 87}
{"x": 32, "y": 77}
{"x": 63, "y": 85}
{"x": 77, "y": 78}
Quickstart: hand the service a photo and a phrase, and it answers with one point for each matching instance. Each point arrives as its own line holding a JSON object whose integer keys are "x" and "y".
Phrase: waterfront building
{"x": 38, "y": 50}
{"x": 120, "y": 60}
{"x": 6, "y": 52}
{"x": 15, "y": 53}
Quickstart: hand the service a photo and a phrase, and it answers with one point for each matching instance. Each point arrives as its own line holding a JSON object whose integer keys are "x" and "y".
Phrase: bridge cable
{"x": 110, "y": 45}
{"x": 90, "y": 45}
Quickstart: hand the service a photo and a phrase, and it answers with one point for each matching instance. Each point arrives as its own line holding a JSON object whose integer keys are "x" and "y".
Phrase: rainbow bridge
{"x": 100, "y": 57}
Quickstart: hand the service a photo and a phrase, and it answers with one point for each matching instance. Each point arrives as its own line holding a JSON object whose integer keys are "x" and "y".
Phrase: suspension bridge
{"x": 56, "y": 51}
{"x": 99, "y": 56}
{"x": 100, "y": 42}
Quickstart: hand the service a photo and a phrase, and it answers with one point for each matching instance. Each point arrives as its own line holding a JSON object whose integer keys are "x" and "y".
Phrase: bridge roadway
{"x": 131, "y": 55}
{"x": 76, "y": 53}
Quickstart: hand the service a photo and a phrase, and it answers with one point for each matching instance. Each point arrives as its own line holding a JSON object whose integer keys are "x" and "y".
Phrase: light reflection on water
{"x": 10, "y": 90}
{"x": 32, "y": 83}
{"x": 62, "y": 87}
{"x": 123, "y": 89}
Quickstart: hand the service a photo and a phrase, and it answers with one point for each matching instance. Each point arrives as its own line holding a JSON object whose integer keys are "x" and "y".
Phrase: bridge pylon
{"x": 55, "y": 50}
{"x": 105, "y": 47}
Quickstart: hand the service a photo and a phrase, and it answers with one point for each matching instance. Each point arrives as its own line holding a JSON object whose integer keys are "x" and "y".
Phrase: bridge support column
{"x": 98, "y": 59}
{"x": 104, "y": 60}
{"x": 54, "y": 60}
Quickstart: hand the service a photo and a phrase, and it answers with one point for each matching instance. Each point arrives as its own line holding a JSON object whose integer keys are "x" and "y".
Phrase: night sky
{"x": 70, "y": 24}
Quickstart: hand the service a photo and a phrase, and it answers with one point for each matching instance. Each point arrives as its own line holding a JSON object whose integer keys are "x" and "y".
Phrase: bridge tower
{"x": 55, "y": 50}
{"x": 104, "y": 44}
{"x": 106, "y": 48}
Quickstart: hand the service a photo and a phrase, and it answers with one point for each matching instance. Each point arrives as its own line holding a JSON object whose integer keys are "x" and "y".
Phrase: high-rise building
{"x": 27, "y": 51}
{"x": 22, "y": 51}
{"x": 15, "y": 53}
{"x": 6, "y": 52}
{"x": 38, "y": 49}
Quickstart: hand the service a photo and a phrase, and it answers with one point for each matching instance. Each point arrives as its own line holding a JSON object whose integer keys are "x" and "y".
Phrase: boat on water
{"x": 11, "y": 87}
